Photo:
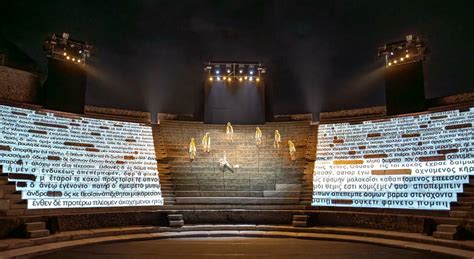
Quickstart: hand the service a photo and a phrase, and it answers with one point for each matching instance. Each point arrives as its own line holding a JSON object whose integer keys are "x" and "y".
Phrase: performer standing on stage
{"x": 258, "y": 136}
{"x": 206, "y": 143}
{"x": 229, "y": 132}
{"x": 192, "y": 149}
{"x": 292, "y": 149}
{"x": 277, "y": 139}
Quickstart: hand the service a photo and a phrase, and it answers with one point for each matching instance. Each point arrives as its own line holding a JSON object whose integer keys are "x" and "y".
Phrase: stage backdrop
{"x": 235, "y": 102}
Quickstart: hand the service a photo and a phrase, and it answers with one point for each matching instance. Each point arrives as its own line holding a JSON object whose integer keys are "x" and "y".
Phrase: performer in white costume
{"x": 226, "y": 165}
{"x": 292, "y": 150}
{"x": 192, "y": 149}
{"x": 277, "y": 139}
{"x": 206, "y": 143}
{"x": 229, "y": 132}
{"x": 258, "y": 136}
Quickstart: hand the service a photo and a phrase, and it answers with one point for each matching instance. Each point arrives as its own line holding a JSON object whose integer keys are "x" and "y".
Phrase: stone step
{"x": 37, "y": 233}
{"x": 174, "y": 217}
{"x": 235, "y": 200}
{"x": 447, "y": 228}
{"x": 31, "y": 219}
{"x": 35, "y": 226}
{"x": 444, "y": 235}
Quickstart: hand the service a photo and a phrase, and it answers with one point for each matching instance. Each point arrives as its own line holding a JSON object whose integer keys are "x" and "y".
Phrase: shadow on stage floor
{"x": 239, "y": 247}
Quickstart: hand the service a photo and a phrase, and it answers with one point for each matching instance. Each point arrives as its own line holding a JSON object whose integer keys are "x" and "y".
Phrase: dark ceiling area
{"x": 319, "y": 55}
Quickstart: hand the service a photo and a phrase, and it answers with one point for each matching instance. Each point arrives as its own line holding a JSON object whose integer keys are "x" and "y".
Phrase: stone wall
{"x": 20, "y": 86}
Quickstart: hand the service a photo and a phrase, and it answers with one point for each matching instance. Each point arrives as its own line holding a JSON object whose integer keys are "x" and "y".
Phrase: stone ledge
{"x": 36, "y": 247}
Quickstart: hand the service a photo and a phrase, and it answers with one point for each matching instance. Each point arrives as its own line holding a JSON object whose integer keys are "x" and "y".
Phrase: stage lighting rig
{"x": 234, "y": 71}
{"x": 410, "y": 49}
{"x": 64, "y": 48}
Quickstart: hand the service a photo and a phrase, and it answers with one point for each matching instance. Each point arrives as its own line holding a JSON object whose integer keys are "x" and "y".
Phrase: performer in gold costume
{"x": 292, "y": 149}
{"x": 192, "y": 149}
{"x": 258, "y": 136}
{"x": 277, "y": 139}
{"x": 229, "y": 132}
{"x": 206, "y": 143}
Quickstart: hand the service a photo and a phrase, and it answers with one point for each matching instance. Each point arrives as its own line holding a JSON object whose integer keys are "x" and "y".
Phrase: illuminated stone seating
{"x": 265, "y": 175}
{"x": 407, "y": 162}
{"x": 54, "y": 160}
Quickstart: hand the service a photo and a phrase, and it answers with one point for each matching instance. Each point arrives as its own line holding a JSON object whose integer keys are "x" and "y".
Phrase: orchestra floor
{"x": 238, "y": 247}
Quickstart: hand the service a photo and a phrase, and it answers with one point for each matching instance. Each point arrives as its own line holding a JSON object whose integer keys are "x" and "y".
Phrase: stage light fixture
{"x": 78, "y": 61}
{"x": 218, "y": 78}
{"x": 64, "y": 53}
{"x": 245, "y": 77}
{"x": 407, "y": 55}
{"x": 251, "y": 72}
{"x": 240, "y": 79}
{"x": 241, "y": 71}
{"x": 210, "y": 79}
{"x": 228, "y": 71}
{"x": 401, "y": 59}
{"x": 68, "y": 58}
{"x": 395, "y": 62}
{"x": 73, "y": 59}
{"x": 250, "y": 78}
{"x": 217, "y": 71}
{"x": 229, "y": 79}
{"x": 389, "y": 63}
{"x": 224, "y": 78}
{"x": 257, "y": 79}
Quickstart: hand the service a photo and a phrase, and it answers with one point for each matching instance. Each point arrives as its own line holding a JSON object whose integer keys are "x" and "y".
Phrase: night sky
{"x": 320, "y": 55}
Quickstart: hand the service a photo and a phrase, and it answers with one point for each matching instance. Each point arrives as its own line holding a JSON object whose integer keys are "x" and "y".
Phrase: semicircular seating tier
{"x": 418, "y": 161}
{"x": 60, "y": 160}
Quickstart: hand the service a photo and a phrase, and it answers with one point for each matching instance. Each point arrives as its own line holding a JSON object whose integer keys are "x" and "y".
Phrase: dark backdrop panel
{"x": 237, "y": 102}
{"x": 65, "y": 87}
{"x": 404, "y": 88}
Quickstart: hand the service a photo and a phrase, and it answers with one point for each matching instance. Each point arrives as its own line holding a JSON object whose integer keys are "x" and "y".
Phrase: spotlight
{"x": 250, "y": 78}
{"x": 210, "y": 78}
{"x": 241, "y": 71}
{"x": 395, "y": 61}
{"x": 64, "y": 53}
{"x": 229, "y": 79}
{"x": 224, "y": 78}
{"x": 401, "y": 59}
{"x": 240, "y": 79}
{"x": 78, "y": 61}
{"x": 68, "y": 58}
{"x": 73, "y": 59}
{"x": 80, "y": 51}
{"x": 251, "y": 72}
{"x": 218, "y": 79}
{"x": 228, "y": 71}
{"x": 389, "y": 63}
{"x": 217, "y": 71}
{"x": 245, "y": 77}
{"x": 391, "y": 53}
{"x": 407, "y": 55}
{"x": 257, "y": 79}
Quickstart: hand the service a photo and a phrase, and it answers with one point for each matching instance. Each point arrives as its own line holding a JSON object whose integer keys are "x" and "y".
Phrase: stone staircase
{"x": 166, "y": 183}
{"x": 33, "y": 227}
{"x": 10, "y": 198}
{"x": 310, "y": 156}
{"x": 462, "y": 215}
{"x": 265, "y": 176}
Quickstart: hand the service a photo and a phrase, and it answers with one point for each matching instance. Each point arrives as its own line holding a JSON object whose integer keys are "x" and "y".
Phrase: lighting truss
{"x": 411, "y": 49}
{"x": 64, "y": 48}
{"x": 234, "y": 71}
